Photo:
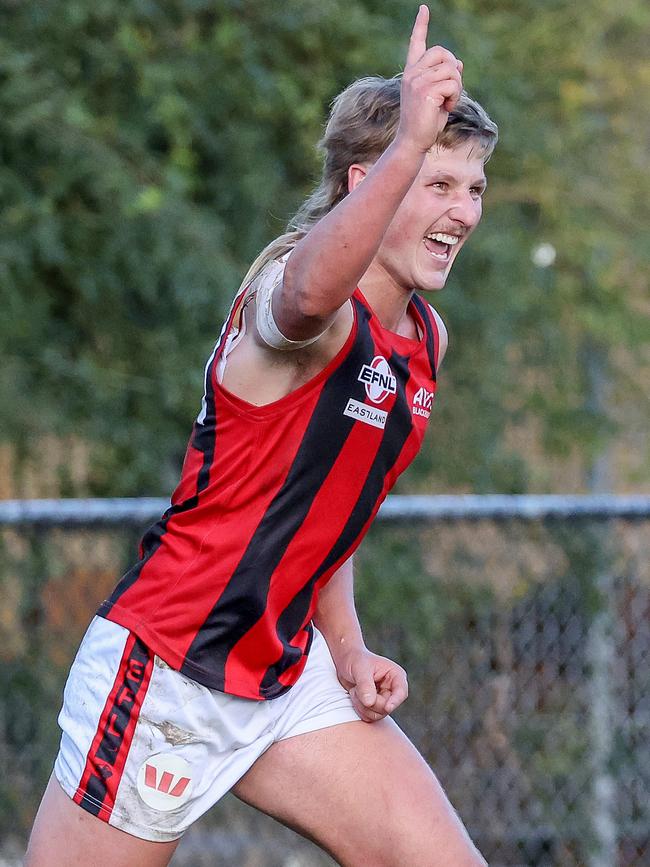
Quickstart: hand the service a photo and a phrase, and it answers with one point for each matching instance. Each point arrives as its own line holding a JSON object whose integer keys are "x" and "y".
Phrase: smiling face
{"x": 435, "y": 218}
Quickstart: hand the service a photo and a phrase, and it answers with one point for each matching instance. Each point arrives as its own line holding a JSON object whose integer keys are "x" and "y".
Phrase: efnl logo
{"x": 164, "y": 781}
{"x": 378, "y": 379}
{"x": 379, "y": 382}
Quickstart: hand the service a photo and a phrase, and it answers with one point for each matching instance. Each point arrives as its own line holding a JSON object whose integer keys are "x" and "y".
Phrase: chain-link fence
{"x": 524, "y": 624}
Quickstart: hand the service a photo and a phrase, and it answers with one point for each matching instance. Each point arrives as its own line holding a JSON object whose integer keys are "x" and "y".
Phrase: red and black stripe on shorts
{"x": 108, "y": 752}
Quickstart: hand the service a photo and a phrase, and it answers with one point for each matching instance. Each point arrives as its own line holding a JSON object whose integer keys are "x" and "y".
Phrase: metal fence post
{"x": 601, "y": 654}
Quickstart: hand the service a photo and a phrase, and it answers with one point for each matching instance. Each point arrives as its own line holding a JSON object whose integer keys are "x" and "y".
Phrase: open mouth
{"x": 439, "y": 245}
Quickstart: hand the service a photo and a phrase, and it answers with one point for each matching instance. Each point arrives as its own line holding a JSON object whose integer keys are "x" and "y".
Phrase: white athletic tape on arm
{"x": 266, "y": 324}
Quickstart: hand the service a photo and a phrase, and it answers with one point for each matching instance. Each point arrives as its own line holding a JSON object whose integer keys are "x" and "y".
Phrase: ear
{"x": 356, "y": 173}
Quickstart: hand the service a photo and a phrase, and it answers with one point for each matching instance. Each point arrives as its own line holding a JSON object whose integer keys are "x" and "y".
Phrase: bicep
{"x": 300, "y": 312}
{"x": 342, "y": 580}
{"x": 279, "y": 320}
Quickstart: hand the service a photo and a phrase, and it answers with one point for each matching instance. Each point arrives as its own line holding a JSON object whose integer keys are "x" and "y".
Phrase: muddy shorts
{"x": 148, "y": 750}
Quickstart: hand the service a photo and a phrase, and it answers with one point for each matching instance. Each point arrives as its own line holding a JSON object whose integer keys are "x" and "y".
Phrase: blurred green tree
{"x": 149, "y": 150}
{"x": 548, "y": 305}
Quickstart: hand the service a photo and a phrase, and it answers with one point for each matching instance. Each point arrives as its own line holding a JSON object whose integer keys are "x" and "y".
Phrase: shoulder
{"x": 443, "y": 336}
{"x": 269, "y": 334}
{"x": 270, "y": 274}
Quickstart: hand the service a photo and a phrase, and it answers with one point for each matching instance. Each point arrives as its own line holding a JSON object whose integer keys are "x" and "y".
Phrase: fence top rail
{"x": 396, "y": 509}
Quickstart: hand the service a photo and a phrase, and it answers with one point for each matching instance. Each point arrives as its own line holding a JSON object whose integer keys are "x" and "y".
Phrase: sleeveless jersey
{"x": 272, "y": 500}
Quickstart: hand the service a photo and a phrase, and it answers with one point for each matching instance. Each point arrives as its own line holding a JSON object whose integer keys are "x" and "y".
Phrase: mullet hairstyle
{"x": 362, "y": 124}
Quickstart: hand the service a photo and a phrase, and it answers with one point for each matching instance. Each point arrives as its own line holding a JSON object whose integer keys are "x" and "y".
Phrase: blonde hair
{"x": 362, "y": 124}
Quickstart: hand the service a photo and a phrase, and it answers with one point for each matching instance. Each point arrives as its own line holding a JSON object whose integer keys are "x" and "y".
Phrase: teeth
{"x": 444, "y": 239}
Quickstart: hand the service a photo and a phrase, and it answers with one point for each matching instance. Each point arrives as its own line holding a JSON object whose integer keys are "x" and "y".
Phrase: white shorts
{"x": 148, "y": 750}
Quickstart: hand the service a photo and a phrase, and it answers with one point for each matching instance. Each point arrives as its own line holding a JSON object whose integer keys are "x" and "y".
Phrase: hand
{"x": 376, "y": 685}
{"x": 431, "y": 87}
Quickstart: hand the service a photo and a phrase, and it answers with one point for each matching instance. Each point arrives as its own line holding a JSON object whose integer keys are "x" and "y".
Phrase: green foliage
{"x": 565, "y": 84}
{"x": 407, "y": 610}
{"x": 145, "y": 149}
{"x": 149, "y": 150}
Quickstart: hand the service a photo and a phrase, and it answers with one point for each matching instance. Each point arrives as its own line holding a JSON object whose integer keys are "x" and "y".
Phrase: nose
{"x": 466, "y": 208}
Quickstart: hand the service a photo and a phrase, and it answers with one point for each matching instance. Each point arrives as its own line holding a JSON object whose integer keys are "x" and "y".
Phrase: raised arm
{"x": 329, "y": 261}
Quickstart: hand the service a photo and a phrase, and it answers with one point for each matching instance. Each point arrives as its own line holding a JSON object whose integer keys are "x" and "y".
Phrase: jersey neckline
{"x": 406, "y": 346}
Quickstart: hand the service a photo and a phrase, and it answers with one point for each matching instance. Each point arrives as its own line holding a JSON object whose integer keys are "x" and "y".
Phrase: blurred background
{"x": 148, "y": 150}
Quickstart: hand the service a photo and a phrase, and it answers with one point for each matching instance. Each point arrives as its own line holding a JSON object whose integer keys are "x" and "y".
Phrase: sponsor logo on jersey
{"x": 378, "y": 379}
{"x": 164, "y": 781}
{"x": 422, "y": 402}
{"x": 367, "y": 414}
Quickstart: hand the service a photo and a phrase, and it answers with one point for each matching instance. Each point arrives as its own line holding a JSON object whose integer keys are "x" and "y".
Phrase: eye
{"x": 476, "y": 192}
{"x": 440, "y": 185}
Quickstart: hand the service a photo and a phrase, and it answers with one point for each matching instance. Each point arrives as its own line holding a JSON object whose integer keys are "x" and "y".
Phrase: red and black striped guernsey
{"x": 272, "y": 500}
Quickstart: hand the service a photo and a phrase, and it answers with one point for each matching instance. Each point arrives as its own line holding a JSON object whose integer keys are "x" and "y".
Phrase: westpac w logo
{"x": 164, "y": 784}
{"x": 164, "y": 781}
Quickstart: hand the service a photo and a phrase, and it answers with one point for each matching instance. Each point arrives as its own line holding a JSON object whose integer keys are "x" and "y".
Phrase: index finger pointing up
{"x": 418, "y": 41}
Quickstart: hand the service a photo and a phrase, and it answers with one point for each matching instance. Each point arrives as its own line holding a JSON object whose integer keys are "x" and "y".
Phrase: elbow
{"x": 301, "y": 295}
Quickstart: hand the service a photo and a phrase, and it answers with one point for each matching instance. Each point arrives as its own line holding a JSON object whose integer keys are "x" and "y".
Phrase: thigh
{"x": 65, "y": 835}
{"x": 363, "y": 793}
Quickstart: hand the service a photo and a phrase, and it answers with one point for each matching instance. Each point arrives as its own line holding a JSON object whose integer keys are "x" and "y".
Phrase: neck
{"x": 389, "y": 300}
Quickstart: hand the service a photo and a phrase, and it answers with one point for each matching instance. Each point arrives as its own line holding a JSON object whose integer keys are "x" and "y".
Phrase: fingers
{"x": 441, "y": 86}
{"x": 432, "y": 57}
{"x": 441, "y": 72}
{"x": 431, "y": 88}
{"x": 376, "y": 685}
{"x": 369, "y": 714}
{"x": 365, "y": 688}
{"x": 418, "y": 40}
{"x": 390, "y": 692}
{"x": 397, "y": 690}
{"x": 446, "y": 95}
{"x": 418, "y": 54}
{"x": 435, "y": 67}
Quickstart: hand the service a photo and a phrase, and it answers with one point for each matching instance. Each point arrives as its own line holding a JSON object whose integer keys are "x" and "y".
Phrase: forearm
{"x": 376, "y": 685}
{"x": 336, "y": 615}
{"x": 327, "y": 264}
